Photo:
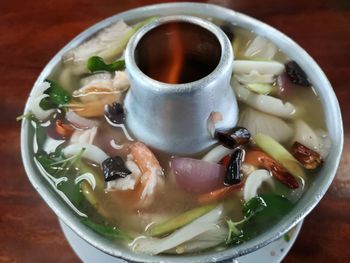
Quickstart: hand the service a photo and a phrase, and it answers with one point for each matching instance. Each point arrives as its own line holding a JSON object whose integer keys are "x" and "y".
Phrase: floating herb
{"x": 96, "y": 63}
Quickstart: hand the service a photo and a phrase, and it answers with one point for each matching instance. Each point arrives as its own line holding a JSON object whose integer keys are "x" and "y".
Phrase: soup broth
{"x": 141, "y": 197}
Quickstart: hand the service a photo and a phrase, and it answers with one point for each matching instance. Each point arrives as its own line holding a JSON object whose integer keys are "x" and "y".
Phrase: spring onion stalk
{"x": 180, "y": 221}
{"x": 279, "y": 154}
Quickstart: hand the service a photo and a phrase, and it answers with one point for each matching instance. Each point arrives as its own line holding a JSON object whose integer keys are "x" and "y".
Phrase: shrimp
{"x": 152, "y": 173}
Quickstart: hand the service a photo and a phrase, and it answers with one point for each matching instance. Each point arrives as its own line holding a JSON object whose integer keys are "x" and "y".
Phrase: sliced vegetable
{"x": 80, "y": 122}
{"x": 263, "y": 67}
{"x": 216, "y": 154}
{"x": 96, "y": 63}
{"x": 260, "y": 122}
{"x": 179, "y": 221}
{"x": 114, "y": 168}
{"x": 280, "y": 154}
{"x": 260, "y": 88}
{"x": 35, "y": 99}
{"x": 296, "y": 74}
{"x": 220, "y": 194}
{"x": 307, "y": 157}
{"x": 264, "y": 103}
{"x": 91, "y": 152}
{"x": 84, "y": 136}
{"x": 261, "y": 47}
{"x": 254, "y": 182}
{"x": 233, "y": 169}
{"x": 187, "y": 233}
{"x": 107, "y": 231}
{"x": 255, "y": 77}
{"x": 197, "y": 176}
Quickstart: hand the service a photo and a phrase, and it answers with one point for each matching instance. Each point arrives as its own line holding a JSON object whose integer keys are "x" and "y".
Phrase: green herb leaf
{"x": 276, "y": 207}
{"x": 96, "y": 63}
{"x": 260, "y": 212}
{"x": 107, "y": 231}
{"x": 254, "y": 206}
{"x": 58, "y": 96}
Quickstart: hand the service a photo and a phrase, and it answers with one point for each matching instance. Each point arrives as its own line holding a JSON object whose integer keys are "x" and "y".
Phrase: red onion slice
{"x": 197, "y": 176}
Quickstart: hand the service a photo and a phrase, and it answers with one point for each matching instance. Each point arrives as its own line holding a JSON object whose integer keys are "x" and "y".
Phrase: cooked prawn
{"x": 152, "y": 173}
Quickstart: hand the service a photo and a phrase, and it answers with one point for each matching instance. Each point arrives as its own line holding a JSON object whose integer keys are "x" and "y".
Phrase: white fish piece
{"x": 264, "y": 103}
{"x": 260, "y": 122}
{"x": 254, "y": 182}
{"x": 263, "y": 67}
{"x": 107, "y": 43}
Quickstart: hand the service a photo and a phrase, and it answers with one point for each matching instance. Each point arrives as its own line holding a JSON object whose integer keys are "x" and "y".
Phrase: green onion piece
{"x": 279, "y": 154}
{"x": 260, "y": 88}
{"x": 180, "y": 220}
{"x": 96, "y": 63}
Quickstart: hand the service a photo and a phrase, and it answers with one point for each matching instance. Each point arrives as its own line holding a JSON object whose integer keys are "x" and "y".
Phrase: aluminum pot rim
{"x": 327, "y": 97}
{"x": 155, "y": 85}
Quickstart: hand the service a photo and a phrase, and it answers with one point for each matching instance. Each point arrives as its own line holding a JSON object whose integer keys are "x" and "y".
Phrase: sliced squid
{"x": 254, "y": 181}
{"x": 268, "y": 104}
{"x": 263, "y": 67}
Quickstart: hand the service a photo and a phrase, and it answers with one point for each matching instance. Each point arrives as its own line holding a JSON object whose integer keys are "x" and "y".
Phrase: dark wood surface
{"x": 31, "y": 32}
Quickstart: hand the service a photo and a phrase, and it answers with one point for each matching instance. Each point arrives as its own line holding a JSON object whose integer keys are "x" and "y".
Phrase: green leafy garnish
{"x": 96, "y": 63}
{"x": 107, "y": 231}
{"x": 259, "y": 213}
{"x": 58, "y": 96}
{"x": 58, "y": 166}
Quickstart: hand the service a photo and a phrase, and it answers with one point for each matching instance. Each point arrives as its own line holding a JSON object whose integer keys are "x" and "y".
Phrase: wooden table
{"x": 31, "y": 32}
